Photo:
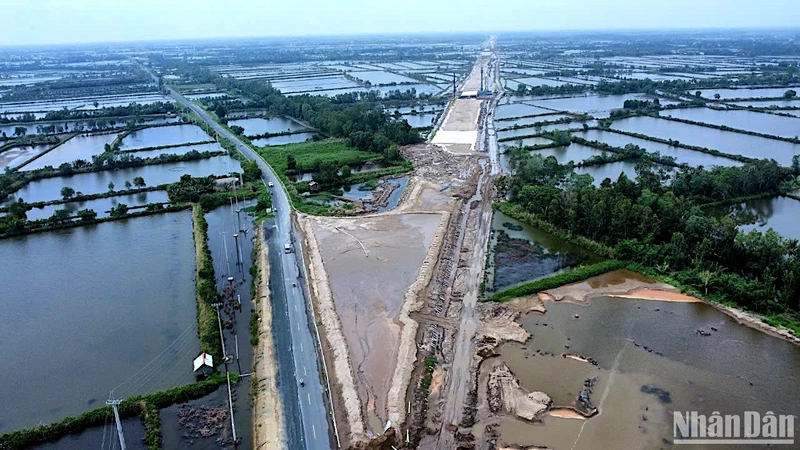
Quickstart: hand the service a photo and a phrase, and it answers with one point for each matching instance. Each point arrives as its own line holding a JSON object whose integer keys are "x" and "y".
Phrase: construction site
{"x": 396, "y": 293}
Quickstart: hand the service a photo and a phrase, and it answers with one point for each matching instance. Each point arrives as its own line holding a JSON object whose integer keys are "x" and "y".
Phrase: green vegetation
{"x": 310, "y": 156}
{"x": 427, "y": 379}
{"x": 572, "y": 276}
{"x": 207, "y": 327}
{"x": 663, "y": 227}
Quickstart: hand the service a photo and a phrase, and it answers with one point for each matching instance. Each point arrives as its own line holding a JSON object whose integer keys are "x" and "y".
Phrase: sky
{"x": 33, "y": 22}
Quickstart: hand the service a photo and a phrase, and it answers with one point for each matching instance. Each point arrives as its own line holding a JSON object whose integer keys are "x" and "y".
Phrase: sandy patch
{"x": 617, "y": 282}
{"x": 267, "y": 418}
{"x": 564, "y": 413}
{"x": 664, "y": 296}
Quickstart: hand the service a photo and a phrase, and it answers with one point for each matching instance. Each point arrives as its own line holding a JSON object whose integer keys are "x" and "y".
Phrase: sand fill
{"x": 505, "y": 394}
{"x": 268, "y": 426}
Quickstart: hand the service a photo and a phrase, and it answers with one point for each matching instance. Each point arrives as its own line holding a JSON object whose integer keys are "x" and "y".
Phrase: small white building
{"x": 203, "y": 365}
{"x": 468, "y": 94}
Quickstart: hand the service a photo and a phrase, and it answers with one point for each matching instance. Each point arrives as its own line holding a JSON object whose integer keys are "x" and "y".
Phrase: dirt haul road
{"x": 452, "y": 409}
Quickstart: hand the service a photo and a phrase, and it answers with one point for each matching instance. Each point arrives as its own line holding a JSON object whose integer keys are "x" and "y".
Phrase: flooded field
{"x": 61, "y": 315}
{"x": 507, "y": 110}
{"x": 744, "y": 92}
{"x": 68, "y": 126}
{"x": 538, "y": 140}
{"x": 230, "y": 261}
{"x": 778, "y": 213}
{"x": 79, "y": 147}
{"x": 94, "y": 437}
{"x": 15, "y": 156}
{"x": 203, "y": 424}
{"x": 257, "y": 125}
{"x": 86, "y": 103}
{"x": 725, "y": 141}
{"x": 520, "y": 253}
{"x": 610, "y": 170}
{"x": 101, "y": 206}
{"x": 650, "y": 360}
{"x": 746, "y": 120}
{"x": 595, "y": 105}
{"x": 420, "y": 120}
{"x": 280, "y": 140}
{"x": 97, "y": 182}
{"x": 681, "y": 155}
{"x": 158, "y": 136}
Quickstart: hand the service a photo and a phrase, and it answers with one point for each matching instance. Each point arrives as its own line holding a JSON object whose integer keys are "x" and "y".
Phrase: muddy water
{"x": 734, "y": 369}
{"x": 530, "y": 254}
{"x": 89, "y": 308}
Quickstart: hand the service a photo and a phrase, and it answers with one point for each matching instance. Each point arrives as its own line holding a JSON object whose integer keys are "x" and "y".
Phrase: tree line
{"x": 661, "y": 224}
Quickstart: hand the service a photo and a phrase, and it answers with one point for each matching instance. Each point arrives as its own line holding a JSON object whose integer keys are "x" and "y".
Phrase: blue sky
{"x": 72, "y": 21}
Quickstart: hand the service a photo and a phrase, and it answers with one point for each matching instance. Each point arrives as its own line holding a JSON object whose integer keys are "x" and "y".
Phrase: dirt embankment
{"x": 407, "y": 350}
{"x": 268, "y": 425}
{"x": 348, "y": 400}
{"x": 505, "y": 394}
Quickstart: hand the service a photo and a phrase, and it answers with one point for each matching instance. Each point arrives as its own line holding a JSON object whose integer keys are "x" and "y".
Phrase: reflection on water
{"x": 778, "y": 213}
{"x": 520, "y": 253}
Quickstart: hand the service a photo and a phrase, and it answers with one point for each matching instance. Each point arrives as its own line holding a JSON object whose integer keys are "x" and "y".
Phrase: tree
{"x": 291, "y": 162}
{"x": 87, "y": 215}
{"x": 698, "y": 94}
{"x": 791, "y": 93}
{"x": 111, "y": 186}
{"x": 139, "y": 182}
{"x": 346, "y": 171}
{"x": 237, "y": 129}
{"x": 20, "y": 131}
{"x": 95, "y": 104}
{"x": 717, "y": 96}
{"x": 128, "y": 184}
{"x": 220, "y": 111}
{"x": 119, "y": 210}
{"x": 67, "y": 192}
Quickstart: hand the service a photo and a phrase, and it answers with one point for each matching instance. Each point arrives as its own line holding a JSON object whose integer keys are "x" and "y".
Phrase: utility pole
{"x": 114, "y": 403}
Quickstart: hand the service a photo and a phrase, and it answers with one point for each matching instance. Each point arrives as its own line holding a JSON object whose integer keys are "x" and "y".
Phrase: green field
{"x": 307, "y": 153}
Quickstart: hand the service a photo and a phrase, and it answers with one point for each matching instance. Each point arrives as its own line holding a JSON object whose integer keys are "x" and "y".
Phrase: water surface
{"x": 87, "y": 308}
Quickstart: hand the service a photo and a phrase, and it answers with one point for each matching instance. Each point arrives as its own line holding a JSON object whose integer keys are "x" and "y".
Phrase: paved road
{"x": 313, "y": 429}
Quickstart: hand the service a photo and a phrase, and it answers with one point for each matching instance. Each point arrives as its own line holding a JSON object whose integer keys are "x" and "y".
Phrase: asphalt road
{"x": 290, "y": 313}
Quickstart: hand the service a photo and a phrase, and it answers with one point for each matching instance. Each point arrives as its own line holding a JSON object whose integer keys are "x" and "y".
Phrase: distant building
{"x": 203, "y": 365}
{"x": 313, "y": 186}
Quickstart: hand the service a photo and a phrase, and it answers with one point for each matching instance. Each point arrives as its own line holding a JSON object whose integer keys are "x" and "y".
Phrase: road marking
{"x": 298, "y": 327}
{"x": 304, "y": 371}
{"x": 301, "y": 347}
{"x": 295, "y": 306}
{"x": 314, "y": 430}
{"x": 308, "y": 395}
